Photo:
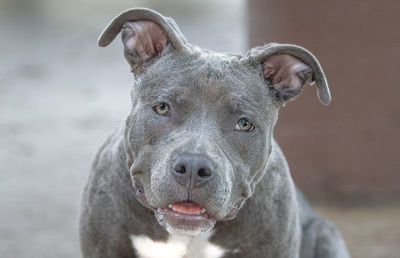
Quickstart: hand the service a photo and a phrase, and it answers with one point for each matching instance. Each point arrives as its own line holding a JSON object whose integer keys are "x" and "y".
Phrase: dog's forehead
{"x": 210, "y": 77}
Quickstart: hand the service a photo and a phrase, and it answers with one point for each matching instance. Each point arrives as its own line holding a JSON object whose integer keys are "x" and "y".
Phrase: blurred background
{"x": 61, "y": 96}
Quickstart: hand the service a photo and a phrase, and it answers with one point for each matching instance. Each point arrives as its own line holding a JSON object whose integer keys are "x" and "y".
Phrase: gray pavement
{"x": 60, "y": 97}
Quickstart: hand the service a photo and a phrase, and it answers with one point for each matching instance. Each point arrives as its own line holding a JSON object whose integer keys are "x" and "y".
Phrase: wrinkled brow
{"x": 155, "y": 94}
{"x": 240, "y": 104}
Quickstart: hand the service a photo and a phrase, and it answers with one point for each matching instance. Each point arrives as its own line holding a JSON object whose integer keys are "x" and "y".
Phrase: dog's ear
{"x": 288, "y": 68}
{"x": 145, "y": 35}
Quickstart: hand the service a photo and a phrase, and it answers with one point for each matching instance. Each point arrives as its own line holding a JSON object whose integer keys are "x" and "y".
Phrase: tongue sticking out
{"x": 188, "y": 207}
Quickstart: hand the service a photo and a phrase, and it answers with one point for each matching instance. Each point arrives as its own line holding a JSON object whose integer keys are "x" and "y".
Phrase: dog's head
{"x": 200, "y": 131}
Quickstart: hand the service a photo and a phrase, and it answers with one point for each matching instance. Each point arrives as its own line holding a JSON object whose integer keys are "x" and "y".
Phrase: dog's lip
{"x": 188, "y": 210}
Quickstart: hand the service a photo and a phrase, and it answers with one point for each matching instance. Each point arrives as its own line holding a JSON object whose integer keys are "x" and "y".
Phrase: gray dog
{"x": 195, "y": 170}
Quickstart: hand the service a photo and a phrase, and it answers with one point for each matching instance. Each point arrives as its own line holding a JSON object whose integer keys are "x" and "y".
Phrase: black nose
{"x": 192, "y": 170}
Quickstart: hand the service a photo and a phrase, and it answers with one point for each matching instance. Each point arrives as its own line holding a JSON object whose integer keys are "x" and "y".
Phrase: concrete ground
{"x": 61, "y": 95}
{"x": 369, "y": 231}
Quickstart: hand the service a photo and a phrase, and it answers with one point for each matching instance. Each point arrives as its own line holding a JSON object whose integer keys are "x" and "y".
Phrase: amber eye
{"x": 161, "y": 109}
{"x": 244, "y": 125}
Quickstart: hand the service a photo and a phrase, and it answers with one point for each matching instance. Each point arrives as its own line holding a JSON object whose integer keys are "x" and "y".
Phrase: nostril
{"x": 192, "y": 170}
{"x": 180, "y": 169}
{"x": 204, "y": 173}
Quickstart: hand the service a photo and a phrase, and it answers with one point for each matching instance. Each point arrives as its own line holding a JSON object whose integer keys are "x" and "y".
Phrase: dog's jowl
{"x": 195, "y": 171}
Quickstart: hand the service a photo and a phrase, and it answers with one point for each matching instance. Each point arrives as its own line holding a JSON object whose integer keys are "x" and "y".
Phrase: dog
{"x": 195, "y": 171}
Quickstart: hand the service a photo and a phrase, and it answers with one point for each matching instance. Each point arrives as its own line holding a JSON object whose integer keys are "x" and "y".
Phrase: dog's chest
{"x": 177, "y": 246}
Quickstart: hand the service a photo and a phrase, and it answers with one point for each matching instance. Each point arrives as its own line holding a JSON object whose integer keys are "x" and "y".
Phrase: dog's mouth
{"x": 185, "y": 217}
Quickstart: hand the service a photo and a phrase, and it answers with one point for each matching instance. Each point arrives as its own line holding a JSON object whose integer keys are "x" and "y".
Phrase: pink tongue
{"x": 187, "y": 207}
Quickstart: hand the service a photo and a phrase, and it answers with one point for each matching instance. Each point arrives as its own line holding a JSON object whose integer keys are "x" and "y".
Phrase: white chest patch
{"x": 177, "y": 246}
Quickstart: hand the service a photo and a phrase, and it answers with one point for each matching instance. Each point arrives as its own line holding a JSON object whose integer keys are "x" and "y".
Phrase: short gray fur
{"x": 208, "y": 93}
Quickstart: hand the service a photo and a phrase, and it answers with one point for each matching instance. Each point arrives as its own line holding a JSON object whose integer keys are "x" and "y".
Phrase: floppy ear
{"x": 145, "y": 35}
{"x": 287, "y": 68}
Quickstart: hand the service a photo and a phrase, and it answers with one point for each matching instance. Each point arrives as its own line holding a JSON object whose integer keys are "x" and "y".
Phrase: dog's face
{"x": 199, "y": 135}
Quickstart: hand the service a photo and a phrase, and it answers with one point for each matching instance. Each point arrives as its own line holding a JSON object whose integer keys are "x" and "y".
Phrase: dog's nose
{"x": 192, "y": 170}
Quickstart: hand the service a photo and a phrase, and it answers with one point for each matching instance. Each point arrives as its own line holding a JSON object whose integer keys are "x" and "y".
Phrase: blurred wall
{"x": 351, "y": 147}
{"x": 197, "y": 19}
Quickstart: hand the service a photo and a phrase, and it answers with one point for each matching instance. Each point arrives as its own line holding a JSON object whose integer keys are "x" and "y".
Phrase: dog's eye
{"x": 162, "y": 109}
{"x": 244, "y": 125}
